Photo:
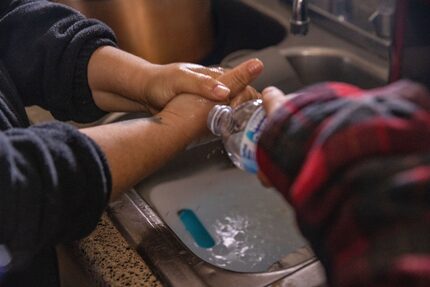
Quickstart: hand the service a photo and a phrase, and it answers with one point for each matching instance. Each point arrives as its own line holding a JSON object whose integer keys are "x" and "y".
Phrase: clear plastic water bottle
{"x": 240, "y": 128}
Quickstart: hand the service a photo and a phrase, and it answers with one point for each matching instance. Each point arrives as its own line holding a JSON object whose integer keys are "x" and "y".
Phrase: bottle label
{"x": 251, "y": 135}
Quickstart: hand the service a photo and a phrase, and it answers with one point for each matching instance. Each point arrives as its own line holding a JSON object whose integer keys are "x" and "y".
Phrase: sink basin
{"x": 241, "y": 26}
{"x": 294, "y": 67}
{"x": 248, "y": 227}
{"x": 177, "y": 31}
{"x": 320, "y": 64}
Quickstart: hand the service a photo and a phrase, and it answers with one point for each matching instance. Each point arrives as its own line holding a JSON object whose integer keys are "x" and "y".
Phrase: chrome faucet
{"x": 299, "y": 22}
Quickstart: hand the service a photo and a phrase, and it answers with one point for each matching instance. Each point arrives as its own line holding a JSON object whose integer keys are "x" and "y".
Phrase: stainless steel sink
{"x": 320, "y": 64}
{"x": 228, "y": 204}
{"x": 292, "y": 67}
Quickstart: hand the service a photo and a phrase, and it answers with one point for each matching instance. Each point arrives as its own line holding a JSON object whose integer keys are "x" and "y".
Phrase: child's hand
{"x": 121, "y": 82}
{"x": 167, "y": 81}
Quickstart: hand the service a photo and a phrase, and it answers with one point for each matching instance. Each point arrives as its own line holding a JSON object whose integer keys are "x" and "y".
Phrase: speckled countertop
{"x": 110, "y": 261}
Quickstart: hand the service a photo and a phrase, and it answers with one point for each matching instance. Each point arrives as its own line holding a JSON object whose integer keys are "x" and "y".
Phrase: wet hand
{"x": 167, "y": 81}
{"x": 122, "y": 82}
{"x": 192, "y": 110}
{"x": 239, "y": 82}
{"x": 273, "y": 98}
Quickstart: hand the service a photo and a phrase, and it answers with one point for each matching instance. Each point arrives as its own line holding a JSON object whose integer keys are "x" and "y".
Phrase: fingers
{"x": 204, "y": 84}
{"x": 238, "y": 78}
{"x": 214, "y": 72}
{"x": 249, "y": 93}
{"x": 195, "y": 79}
{"x": 272, "y": 99}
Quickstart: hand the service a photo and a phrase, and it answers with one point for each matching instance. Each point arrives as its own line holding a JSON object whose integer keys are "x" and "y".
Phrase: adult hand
{"x": 273, "y": 98}
{"x": 120, "y": 81}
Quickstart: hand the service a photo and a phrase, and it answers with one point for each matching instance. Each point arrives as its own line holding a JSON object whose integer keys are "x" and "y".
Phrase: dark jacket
{"x": 54, "y": 181}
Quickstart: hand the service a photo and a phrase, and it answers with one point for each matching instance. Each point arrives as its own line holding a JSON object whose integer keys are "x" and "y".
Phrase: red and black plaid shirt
{"x": 355, "y": 165}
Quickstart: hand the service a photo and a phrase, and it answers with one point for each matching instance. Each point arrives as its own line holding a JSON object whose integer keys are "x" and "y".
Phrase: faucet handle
{"x": 299, "y": 22}
{"x": 383, "y": 18}
{"x": 299, "y": 27}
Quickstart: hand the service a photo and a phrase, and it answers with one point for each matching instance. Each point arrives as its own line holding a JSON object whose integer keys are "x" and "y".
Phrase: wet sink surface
{"x": 252, "y": 227}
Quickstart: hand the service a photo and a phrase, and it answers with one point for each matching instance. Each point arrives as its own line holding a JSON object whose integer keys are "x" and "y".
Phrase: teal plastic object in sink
{"x": 196, "y": 229}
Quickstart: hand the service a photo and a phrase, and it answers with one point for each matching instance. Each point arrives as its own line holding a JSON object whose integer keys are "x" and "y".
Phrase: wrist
{"x": 115, "y": 72}
{"x": 176, "y": 126}
{"x": 188, "y": 129}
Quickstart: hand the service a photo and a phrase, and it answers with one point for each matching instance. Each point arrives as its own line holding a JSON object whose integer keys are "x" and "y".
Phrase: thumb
{"x": 230, "y": 83}
{"x": 242, "y": 75}
{"x": 273, "y": 98}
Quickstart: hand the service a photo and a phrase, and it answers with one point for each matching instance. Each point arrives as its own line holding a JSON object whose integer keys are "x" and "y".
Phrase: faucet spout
{"x": 299, "y": 22}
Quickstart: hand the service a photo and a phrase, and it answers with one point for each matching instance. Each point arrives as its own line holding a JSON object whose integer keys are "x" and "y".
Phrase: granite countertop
{"x": 110, "y": 261}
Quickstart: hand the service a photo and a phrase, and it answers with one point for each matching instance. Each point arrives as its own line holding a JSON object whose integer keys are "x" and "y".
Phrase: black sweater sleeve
{"x": 54, "y": 185}
{"x": 46, "y": 48}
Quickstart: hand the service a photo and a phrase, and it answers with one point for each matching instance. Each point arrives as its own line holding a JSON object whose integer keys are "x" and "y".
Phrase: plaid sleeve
{"x": 356, "y": 167}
